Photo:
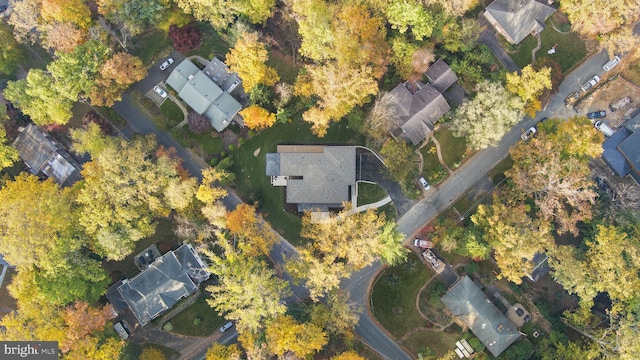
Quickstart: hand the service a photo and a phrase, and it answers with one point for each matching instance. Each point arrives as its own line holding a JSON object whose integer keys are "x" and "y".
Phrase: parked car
{"x": 590, "y": 83}
{"x": 597, "y": 114}
{"x": 424, "y": 183}
{"x": 166, "y": 64}
{"x": 424, "y": 244}
{"x": 158, "y": 90}
{"x": 528, "y": 134}
{"x": 611, "y": 64}
{"x": 544, "y": 119}
{"x": 226, "y": 326}
{"x": 572, "y": 98}
{"x": 604, "y": 128}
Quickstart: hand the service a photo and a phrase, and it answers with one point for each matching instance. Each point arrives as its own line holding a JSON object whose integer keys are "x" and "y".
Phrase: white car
{"x": 604, "y": 128}
{"x": 226, "y": 326}
{"x": 166, "y": 64}
{"x": 611, "y": 64}
{"x": 158, "y": 90}
{"x": 424, "y": 183}
{"x": 424, "y": 244}
{"x": 528, "y": 134}
{"x": 590, "y": 83}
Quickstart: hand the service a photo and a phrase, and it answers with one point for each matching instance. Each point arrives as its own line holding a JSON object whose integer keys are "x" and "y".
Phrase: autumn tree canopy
{"x": 248, "y": 58}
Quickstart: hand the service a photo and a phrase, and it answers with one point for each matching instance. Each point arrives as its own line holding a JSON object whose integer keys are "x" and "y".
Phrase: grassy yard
{"x": 390, "y": 211}
{"x": 394, "y": 296}
{"x": 570, "y": 51}
{"x": 172, "y": 112}
{"x": 212, "y": 44}
{"x": 440, "y": 342}
{"x": 209, "y": 143}
{"x": 149, "y": 45}
{"x": 187, "y": 323}
{"x": 165, "y": 117}
{"x": 285, "y": 69}
{"x": 132, "y": 351}
{"x": 497, "y": 173}
{"x": 453, "y": 149}
{"x": 370, "y": 193}
{"x": 432, "y": 170}
{"x": 254, "y": 186}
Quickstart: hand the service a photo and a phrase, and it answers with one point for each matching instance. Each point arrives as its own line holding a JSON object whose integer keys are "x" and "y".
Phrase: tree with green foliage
{"x": 410, "y": 15}
{"x": 337, "y": 315}
{"x": 489, "y": 115}
{"x": 123, "y": 190}
{"x": 8, "y": 154}
{"x": 222, "y": 13}
{"x": 248, "y": 291}
{"x": 401, "y": 54}
{"x": 461, "y": 35}
{"x": 38, "y": 97}
{"x": 134, "y": 15}
{"x": 11, "y": 52}
{"x": 455, "y": 8}
{"x": 399, "y": 159}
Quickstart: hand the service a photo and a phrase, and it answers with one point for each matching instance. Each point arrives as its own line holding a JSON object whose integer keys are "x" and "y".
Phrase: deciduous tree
{"x": 224, "y": 352}
{"x": 186, "y": 38}
{"x": 248, "y": 58}
{"x": 338, "y": 88}
{"x": 349, "y": 355}
{"x": 405, "y": 15}
{"x": 24, "y": 19}
{"x": 8, "y": 154}
{"x": 529, "y": 85}
{"x": 284, "y": 334}
{"x": 198, "y": 123}
{"x": 152, "y": 354}
{"x": 401, "y": 54}
{"x": 11, "y": 52}
{"x": 399, "y": 159}
{"x": 256, "y": 117}
{"x": 599, "y": 17}
{"x": 115, "y": 76}
{"x": 460, "y": 35}
{"x": 382, "y": 117}
{"x": 454, "y": 7}
{"x": 221, "y": 13}
{"x": 620, "y": 41}
{"x": 38, "y": 97}
{"x": 488, "y": 116}
{"x": 134, "y": 15}
{"x": 338, "y": 316}
{"x": 73, "y": 11}
{"x": 254, "y": 236}
{"x": 63, "y": 36}
{"x": 513, "y": 235}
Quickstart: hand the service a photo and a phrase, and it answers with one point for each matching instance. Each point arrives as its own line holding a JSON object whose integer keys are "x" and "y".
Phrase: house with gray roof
{"x": 170, "y": 278}
{"x": 466, "y": 301}
{"x": 45, "y": 157}
{"x": 515, "y": 19}
{"x": 212, "y": 91}
{"x": 622, "y": 150}
{"x": 316, "y": 177}
{"x": 441, "y": 76}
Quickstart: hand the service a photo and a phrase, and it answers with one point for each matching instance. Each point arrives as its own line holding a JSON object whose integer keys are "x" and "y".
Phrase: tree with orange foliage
{"x": 63, "y": 36}
{"x": 255, "y": 238}
{"x": 255, "y": 117}
{"x": 115, "y": 76}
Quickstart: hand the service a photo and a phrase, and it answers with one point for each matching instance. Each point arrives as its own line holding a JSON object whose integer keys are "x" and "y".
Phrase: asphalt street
{"x": 436, "y": 201}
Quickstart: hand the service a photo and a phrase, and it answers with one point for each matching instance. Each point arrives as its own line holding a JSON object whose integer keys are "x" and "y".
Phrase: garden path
{"x": 535, "y": 49}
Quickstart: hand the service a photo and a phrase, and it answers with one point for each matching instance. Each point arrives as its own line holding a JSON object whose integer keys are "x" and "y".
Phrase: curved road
{"x": 437, "y": 200}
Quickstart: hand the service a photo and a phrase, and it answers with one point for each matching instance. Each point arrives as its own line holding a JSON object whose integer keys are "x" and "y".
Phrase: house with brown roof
{"x": 516, "y": 19}
{"x": 418, "y": 105}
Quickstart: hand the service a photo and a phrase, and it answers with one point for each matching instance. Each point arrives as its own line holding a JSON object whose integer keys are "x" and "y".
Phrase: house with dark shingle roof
{"x": 170, "y": 278}
{"x": 622, "y": 150}
{"x": 418, "y": 105}
{"x": 46, "y": 157}
{"x": 209, "y": 91}
{"x": 516, "y": 19}
{"x": 316, "y": 177}
{"x": 466, "y": 301}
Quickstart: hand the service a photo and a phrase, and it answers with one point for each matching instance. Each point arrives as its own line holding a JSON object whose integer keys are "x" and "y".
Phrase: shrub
{"x": 214, "y": 162}
{"x": 185, "y": 39}
{"x": 167, "y": 326}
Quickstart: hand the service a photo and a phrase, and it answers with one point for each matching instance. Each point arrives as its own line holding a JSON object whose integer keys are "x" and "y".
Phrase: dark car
{"x": 597, "y": 114}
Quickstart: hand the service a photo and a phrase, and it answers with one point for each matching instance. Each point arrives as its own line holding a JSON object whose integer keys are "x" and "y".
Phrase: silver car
{"x": 166, "y": 64}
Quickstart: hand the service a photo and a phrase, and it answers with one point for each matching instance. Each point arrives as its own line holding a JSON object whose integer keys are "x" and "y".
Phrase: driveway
{"x": 489, "y": 37}
{"x": 369, "y": 168}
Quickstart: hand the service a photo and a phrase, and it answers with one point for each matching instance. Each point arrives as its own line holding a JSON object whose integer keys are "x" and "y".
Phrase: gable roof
{"x": 202, "y": 91}
{"x": 165, "y": 282}
{"x": 417, "y": 110}
{"x": 42, "y": 155}
{"x": 441, "y": 75}
{"x": 466, "y": 301}
{"x": 612, "y": 156}
{"x": 518, "y": 18}
{"x": 317, "y": 174}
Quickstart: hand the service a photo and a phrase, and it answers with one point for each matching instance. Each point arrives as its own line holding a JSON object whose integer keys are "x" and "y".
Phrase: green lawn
{"x": 497, "y": 173}
{"x": 254, "y": 186}
{"x": 370, "y": 193}
{"x": 185, "y": 322}
{"x": 570, "y": 51}
{"x": 164, "y": 117}
{"x": 394, "y": 296}
{"x": 439, "y": 342}
{"x": 172, "y": 112}
{"x": 148, "y": 45}
{"x": 212, "y": 44}
{"x": 287, "y": 72}
{"x": 453, "y": 149}
{"x": 209, "y": 142}
{"x": 132, "y": 351}
{"x": 390, "y": 211}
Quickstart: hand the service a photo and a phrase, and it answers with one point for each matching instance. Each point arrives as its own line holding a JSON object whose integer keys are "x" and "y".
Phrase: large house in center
{"x": 170, "y": 278}
{"x": 212, "y": 91}
{"x": 418, "y": 106}
{"x": 45, "y": 157}
{"x": 622, "y": 150}
{"x": 516, "y": 19}
{"x": 466, "y": 301}
{"x": 317, "y": 177}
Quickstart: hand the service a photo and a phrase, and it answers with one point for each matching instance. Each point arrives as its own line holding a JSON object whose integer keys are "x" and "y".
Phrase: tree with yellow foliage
{"x": 255, "y": 117}
{"x": 529, "y": 85}
{"x": 349, "y": 355}
{"x": 248, "y": 58}
{"x": 284, "y": 334}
